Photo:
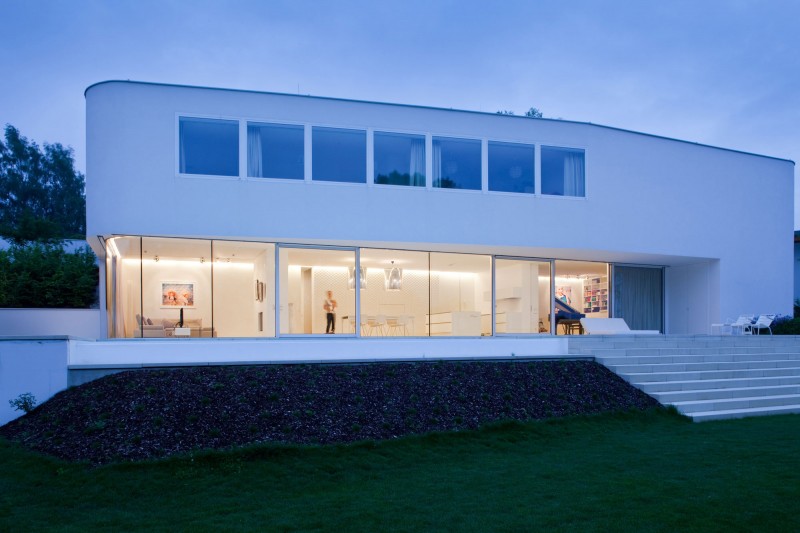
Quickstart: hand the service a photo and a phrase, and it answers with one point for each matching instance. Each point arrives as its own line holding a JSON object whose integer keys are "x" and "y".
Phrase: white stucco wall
{"x": 85, "y": 323}
{"x": 36, "y": 366}
{"x": 649, "y": 200}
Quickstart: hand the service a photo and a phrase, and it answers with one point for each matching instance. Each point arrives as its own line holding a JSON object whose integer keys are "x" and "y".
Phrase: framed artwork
{"x": 261, "y": 290}
{"x": 177, "y": 294}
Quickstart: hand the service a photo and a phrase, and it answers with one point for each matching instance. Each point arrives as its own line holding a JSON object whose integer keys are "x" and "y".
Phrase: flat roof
{"x": 413, "y": 106}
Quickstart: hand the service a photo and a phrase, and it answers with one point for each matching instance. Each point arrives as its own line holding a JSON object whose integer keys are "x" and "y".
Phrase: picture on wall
{"x": 177, "y": 294}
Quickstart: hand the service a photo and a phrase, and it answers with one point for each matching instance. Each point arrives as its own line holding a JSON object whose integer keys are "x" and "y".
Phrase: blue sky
{"x": 719, "y": 72}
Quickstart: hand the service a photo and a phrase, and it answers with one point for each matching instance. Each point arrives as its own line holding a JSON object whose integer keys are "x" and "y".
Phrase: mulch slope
{"x": 146, "y": 414}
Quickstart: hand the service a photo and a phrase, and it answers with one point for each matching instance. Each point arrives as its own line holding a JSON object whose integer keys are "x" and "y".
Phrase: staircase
{"x": 705, "y": 377}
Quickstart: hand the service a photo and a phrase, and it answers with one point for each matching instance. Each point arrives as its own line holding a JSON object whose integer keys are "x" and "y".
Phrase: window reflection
{"x": 275, "y": 151}
{"x": 209, "y": 147}
{"x": 339, "y": 155}
{"x": 456, "y": 163}
{"x": 563, "y": 171}
{"x": 511, "y": 167}
{"x": 399, "y": 159}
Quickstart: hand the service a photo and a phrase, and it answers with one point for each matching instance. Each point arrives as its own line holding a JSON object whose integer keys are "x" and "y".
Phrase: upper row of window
{"x": 211, "y": 147}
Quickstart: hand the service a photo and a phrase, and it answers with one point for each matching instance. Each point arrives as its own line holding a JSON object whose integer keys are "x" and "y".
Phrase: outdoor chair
{"x": 763, "y": 322}
{"x": 743, "y": 324}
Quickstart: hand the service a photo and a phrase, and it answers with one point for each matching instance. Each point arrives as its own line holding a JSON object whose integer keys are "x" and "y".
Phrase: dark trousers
{"x": 330, "y": 325}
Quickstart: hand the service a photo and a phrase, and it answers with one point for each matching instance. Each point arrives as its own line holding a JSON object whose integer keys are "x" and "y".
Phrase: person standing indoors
{"x": 330, "y": 313}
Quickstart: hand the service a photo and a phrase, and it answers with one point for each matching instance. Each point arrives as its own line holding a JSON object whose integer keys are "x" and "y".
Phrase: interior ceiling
{"x": 242, "y": 251}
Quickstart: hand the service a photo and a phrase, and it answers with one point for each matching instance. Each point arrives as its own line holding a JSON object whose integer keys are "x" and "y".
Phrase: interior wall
{"x": 154, "y": 273}
{"x": 235, "y": 313}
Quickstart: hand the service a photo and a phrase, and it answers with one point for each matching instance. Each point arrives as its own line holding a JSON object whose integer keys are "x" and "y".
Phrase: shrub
{"x": 784, "y": 325}
{"x": 24, "y": 402}
{"x": 40, "y": 275}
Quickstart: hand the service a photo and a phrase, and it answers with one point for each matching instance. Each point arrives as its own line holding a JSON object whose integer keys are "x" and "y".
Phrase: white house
{"x": 238, "y": 211}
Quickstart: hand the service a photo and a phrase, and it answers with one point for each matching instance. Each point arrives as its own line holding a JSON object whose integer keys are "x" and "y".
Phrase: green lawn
{"x": 635, "y": 472}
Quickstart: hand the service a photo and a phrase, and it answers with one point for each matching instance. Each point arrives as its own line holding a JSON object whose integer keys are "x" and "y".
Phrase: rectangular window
{"x": 456, "y": 163}
{"x": 275, "y": 151}
{"x": 563, "y": 171}
{"x": 209, "y": 146}
{"x": 511, "y": 167}
{"x": 399, "y": 159}
{"x": 339, "y": 155}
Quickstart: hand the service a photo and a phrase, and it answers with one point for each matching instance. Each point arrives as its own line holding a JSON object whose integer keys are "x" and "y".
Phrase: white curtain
{"x": 573, "y": 174}
{"x": 182, "y": 147}
{"x": 255, "y": 167}
{"x": 437, "y": 164}
{"x": 416, "y": 169}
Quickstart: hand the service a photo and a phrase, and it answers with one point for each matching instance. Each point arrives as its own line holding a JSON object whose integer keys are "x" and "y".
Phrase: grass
{"x": 651, "y": 471}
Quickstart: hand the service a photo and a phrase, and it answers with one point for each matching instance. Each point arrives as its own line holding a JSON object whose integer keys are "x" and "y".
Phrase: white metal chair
{"x": 763, "y": 322}
{"x": 376, "y": 323}
{"x": 398, "y": 325}
{"x": 743, "y": 324}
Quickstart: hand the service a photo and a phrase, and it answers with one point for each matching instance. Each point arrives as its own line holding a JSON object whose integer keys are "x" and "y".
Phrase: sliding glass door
{"x": 639, "y": 296}
{"x": 522, "y": 296}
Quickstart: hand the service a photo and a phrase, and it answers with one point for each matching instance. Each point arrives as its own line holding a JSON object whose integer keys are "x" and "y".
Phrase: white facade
{"x": 719, "y": 221}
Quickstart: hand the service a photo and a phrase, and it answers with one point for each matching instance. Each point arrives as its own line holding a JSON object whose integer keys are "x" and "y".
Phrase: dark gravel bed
{"x": 155, "y": 413}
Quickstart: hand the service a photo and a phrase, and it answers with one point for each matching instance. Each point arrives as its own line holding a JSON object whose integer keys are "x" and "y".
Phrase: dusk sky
{"x": 718, "y": 72}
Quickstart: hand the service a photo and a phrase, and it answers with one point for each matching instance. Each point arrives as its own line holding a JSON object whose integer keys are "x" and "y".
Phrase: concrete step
{"x": 693, "y": 385}
{"x": 705, "y": 416}
{"x": 653, "y": 352}
{"x": 670, "y": 397}
{"x": 701, "y": 366}
{"x": 685, "y": 359}
{"x": 643, "y": 377}
{"x": 726, "y": 404}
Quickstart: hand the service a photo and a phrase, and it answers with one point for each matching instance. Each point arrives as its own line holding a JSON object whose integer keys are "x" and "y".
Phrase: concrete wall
{"x": 649, "y": 200}
{"x": 85, "y": 323}
{"x": 36, "y": 366}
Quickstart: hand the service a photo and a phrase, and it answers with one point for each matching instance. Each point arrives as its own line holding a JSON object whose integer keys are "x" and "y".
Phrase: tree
{"x": 41, "y": 194}
{"x": 533, "y": 112}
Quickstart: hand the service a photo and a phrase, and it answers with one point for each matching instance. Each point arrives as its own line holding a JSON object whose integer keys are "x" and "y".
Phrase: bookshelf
{"x": 595, "y": 294}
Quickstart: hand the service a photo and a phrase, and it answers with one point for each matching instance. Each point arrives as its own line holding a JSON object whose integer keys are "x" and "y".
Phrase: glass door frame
{"x": 551, "y": 306}
{"x": 663, "y": 269}
{"x": 357, "y": 260}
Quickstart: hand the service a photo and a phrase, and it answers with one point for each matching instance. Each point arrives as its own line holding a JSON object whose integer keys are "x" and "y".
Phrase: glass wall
{"x": 511, "y": 167}
{"x": 394, "y": 297}
{"x": 124, "y": 287}
{"x": 456, "y": 163}
{"x": 522, "y": 296}
{"x": 209, "y": 146}
{"x": 399, "y": 159}
{"x": 244, "y": 289}
{"x": 581, "y": 288}
{"x": 339, "y": 155}
{"x": 563, "y": 171}
{"x": 315, "y": 297}
{"x": 176, "y": 287}
{"x": 461, "y": 295}
{"x": 639, "y": 296}
{"x": 275, "y": 151}
{"x": 168, "y": 287}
